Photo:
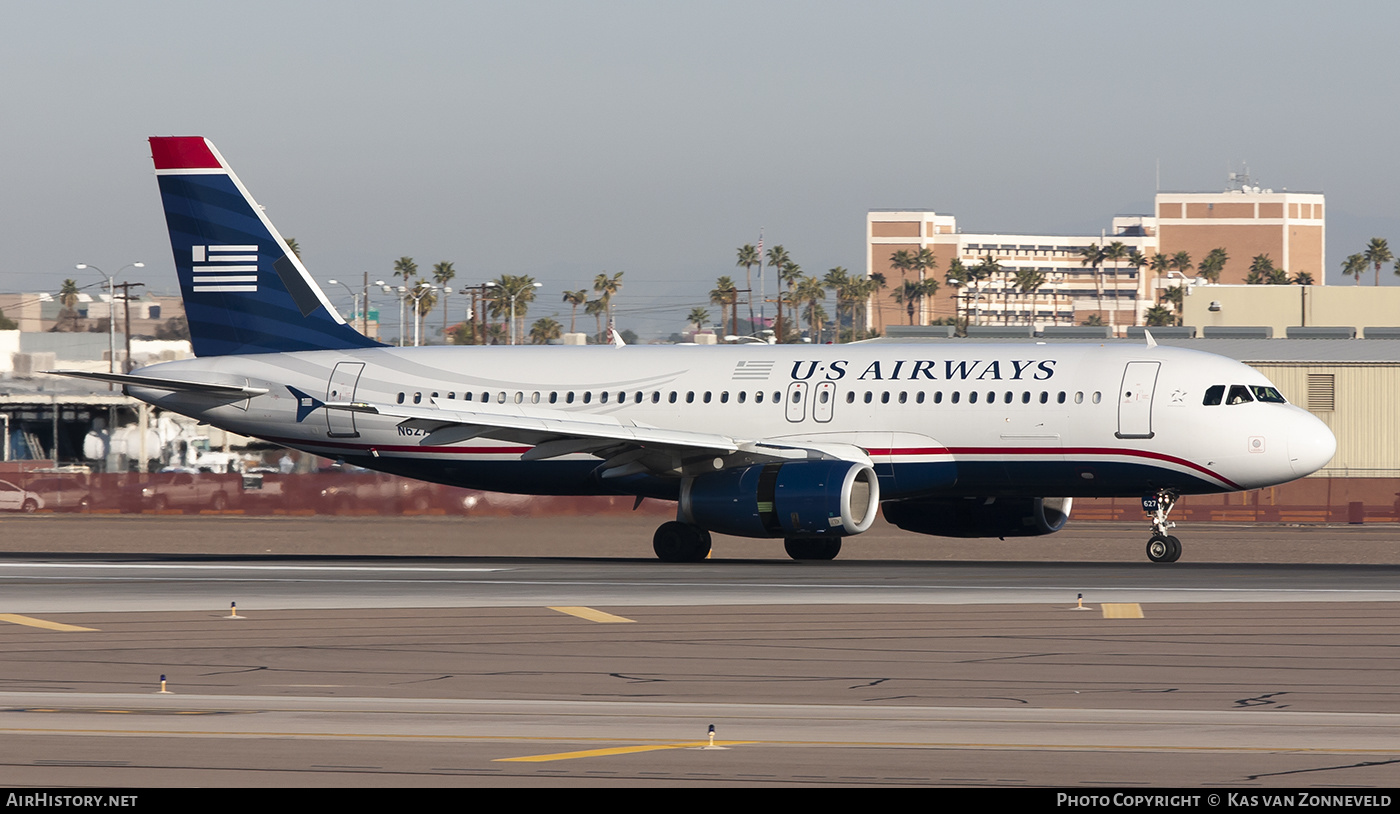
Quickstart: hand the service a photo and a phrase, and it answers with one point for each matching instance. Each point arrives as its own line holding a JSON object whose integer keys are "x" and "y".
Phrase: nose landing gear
{"x": 1162, "y": 547}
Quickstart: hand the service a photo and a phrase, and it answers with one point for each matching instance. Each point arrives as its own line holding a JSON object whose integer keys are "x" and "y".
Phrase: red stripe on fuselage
{"x": 182, "y": 153}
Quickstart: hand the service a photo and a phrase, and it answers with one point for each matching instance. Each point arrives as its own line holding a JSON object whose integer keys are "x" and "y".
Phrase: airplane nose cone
{"x": 1310, "y": 445}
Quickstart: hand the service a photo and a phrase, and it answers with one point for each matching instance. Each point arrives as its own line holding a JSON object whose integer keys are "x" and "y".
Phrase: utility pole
{"x": 126, "y": 313}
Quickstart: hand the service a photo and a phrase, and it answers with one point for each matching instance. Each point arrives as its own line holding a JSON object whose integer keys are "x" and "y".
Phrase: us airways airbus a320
{"x": 799, "y": 442}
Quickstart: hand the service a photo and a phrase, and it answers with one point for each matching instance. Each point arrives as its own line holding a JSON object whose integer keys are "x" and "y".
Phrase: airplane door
{"x": 344, "y": 379}
{"x": 797, "y": 401}
{"x": 823, "y": 400}
{"x": 1135, "y": 399}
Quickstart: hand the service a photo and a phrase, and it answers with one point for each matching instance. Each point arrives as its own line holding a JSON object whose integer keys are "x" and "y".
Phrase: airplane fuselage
{"x": 946, "y": 419}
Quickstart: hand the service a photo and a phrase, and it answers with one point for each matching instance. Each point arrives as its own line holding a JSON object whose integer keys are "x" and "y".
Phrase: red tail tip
{"x": 183, "y": 153}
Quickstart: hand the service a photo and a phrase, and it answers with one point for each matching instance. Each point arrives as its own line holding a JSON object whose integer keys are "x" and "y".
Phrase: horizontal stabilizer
{"x": 178, "y": 385}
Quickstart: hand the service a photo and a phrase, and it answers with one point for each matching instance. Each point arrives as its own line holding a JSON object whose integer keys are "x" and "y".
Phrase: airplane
{"x": 804, "y": 443}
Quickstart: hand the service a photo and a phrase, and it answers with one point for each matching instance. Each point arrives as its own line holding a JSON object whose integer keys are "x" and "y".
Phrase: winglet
{"x": 1151, "y": 343}
{"x": 616, "y": 337}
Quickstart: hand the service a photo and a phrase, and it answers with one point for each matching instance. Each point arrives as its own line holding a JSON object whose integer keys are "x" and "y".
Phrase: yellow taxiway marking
{"x": 592, "y": 615}
{"x": 619, "y": 750}
{"x": 1122, "y": 610}
{"x": 44, "y": 623}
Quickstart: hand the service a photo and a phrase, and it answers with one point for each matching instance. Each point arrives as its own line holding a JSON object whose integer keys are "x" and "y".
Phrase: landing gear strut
{"x": 681, "y": 542}
{"x": 1162, "y": 547}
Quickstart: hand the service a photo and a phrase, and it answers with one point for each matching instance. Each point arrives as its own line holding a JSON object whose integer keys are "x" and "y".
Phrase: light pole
{"x": 511, "y": 296}
{"x": 418, "y": 293}
{"x": 354, "y": 299}
{"x": 111, "y": 310}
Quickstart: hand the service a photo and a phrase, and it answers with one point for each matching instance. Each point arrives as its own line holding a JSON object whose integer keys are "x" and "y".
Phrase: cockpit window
{"x": 1268, "y": 394}
{"x": 1239, "y": 394}
{"x": 1214, "y": 394}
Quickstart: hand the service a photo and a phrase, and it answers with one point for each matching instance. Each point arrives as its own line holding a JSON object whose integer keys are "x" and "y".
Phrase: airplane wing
{"x": 156, "y": 383}
{"x": 626, "y": 447}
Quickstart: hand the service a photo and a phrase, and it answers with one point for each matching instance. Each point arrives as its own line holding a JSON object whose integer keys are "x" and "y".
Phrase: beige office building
{"x": 1289, "y": 227}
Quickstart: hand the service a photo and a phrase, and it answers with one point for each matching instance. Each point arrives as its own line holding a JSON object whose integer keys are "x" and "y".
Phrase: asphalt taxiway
{"x": 484, "y": 669}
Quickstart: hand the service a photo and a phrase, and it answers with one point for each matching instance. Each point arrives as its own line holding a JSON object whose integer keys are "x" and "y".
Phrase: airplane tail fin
{"x": 244, "y": 290}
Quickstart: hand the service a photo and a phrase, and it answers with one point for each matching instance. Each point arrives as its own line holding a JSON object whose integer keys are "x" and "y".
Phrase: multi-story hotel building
{"x": 1288, "y": 227}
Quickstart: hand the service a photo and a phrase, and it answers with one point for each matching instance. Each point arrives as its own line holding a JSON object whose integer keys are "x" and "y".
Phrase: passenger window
{"x": 1239, "y": 394}
{"x": 758, "y": 397}
{"x": 1060, "y": 399}
{"x": 587, "y": 396}
{"x": 869, "y": 397}
{"x": 744, "y": 395}
{"x": 972, "y": 397}
{"x": 885, "y": 397}
{"x": 919, "y": 398}
{"x": 690, "y": 397}
{"x": 569, "y": 397}
{"x": 724, "y": 397}
{"x": 452, "y": 395}
{"x": 1097, "y": 397}
{"x": 656, "y": 397}
{"x": 1079, "y": 397}
{"x": 938, "y": 397}
{"x": 672, "y": 397}
{"x": 501, "y": 397}
{"x": 554, "y": 397}
{"x": 637, "y": 399}
{"x": 956, "y": 396}
{"x": 535, "y": 398}
{"x": 1009, "y": 397}
{"x": 1214, "y": 395}
{"x": 417, "y": 398}
{"x": 850, "y": 397}
{"x": 1044, "y": 397}
{"x": 903, "y": 397}
{"x": 519, "y": 397}
{"x": 603, "y": 397}
{"x": 707, "y": 397}
{"x": 401, "y": 398}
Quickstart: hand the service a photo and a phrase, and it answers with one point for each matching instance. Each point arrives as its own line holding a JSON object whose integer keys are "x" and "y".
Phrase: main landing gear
{"x": 681, "y": 542}
{"x": 1162, "y": 547}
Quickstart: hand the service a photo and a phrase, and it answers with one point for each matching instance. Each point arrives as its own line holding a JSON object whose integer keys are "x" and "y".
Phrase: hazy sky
{"x": 564, "y": 139}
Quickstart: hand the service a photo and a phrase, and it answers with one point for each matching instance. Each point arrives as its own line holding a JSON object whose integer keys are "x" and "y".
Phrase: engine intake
{"x": 795, "y": 499}
{"x": 981, "y": 516}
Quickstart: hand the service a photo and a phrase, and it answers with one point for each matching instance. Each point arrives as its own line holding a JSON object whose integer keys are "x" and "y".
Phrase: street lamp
{"x": 512, "y": 297}
{"x": 111, "y": 310}
{"x": 354, "y": 298}
{"x": 419, "y": 292}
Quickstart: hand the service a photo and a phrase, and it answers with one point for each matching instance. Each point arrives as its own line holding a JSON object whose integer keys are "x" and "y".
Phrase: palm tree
{"x": 957, "y": 278}
{"x": 1116, "y": 252}
{"x": 1159, "y": 315}
{"x": 442, "y": 275}
{"x": 1176, "y": 295}
{"x": 1261, "y": 271}
{"x": 1092, "y": 255}
{"x": 1214, "y": 265}
{"x": 777, "y": 258}
{"x": 596, "y": 309}
{"x": 985, "y": 270}
{"x": 1354, "y": 266}
{"x": 406, "y": 269}
{"x": 606, "y": 287}
{"x": 839, "y": 281}
{"x": 699, "y": 317}
{"x": 811, "y": 291}
{"x": 575, "y": 299}
{"x": 748, "y": 258}
{"x": 68, "y": 318}
{"x": 1029, "y": 281}
{"x": 1181, "y": 261}
{"x": 512, "y": 293}
{"x": 789, "y": 273}
{"x": 1304, "y": 278}
{"x": 1378, "y": 252}
{"x": 723, "y": 294}
{"x": 293, "y": 246}
{"x": 545, "y": 329}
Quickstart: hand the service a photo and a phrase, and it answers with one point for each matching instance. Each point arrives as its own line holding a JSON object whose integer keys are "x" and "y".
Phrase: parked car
{"x": 15, "y": 499}
{"x": 189, "y": 491}
{"x": 63, "y": 493}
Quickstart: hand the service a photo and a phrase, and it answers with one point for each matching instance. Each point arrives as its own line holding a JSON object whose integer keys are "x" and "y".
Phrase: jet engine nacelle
{"x": 981, "y": 516}
{"x": 795, "y": 499}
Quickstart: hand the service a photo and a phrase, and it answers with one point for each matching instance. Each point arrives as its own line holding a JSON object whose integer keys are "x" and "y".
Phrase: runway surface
{"x": 354, "y": 670}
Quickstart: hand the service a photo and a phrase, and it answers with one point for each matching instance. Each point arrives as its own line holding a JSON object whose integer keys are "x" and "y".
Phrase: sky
{"x": 567, "y": 139}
